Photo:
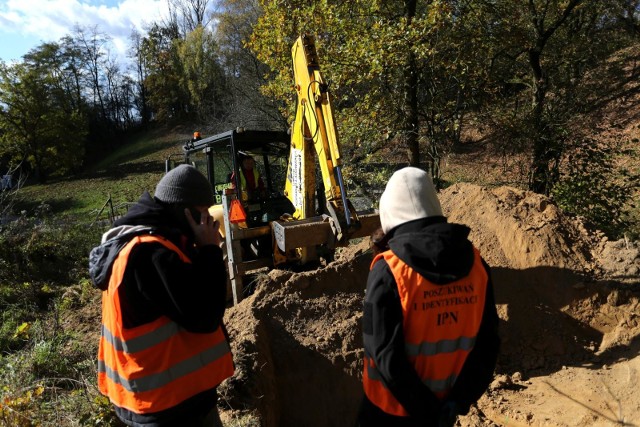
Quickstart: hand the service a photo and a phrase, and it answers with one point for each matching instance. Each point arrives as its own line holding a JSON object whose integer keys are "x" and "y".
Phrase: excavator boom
{"x": 314, "y": 141}
{"x": 310, "y": 219}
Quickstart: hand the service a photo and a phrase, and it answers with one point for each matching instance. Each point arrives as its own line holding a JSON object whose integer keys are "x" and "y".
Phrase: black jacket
{"x": 158, "y": 283}
{"x": 441, "y": 253}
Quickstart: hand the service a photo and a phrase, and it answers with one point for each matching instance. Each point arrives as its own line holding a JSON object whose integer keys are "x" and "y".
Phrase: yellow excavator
{"x": 292, "y": 207}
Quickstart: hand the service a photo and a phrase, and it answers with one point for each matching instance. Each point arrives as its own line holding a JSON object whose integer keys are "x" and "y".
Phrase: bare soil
{"x": 568, "y": 300}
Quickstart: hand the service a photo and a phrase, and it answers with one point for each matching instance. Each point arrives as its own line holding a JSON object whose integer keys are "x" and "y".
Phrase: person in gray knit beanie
{"x": 164, "y": 282}
{"x": 185, "y": 186}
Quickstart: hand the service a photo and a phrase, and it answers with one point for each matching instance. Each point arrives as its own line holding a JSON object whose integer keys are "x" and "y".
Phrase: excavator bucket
{"x": 318, "y": 230}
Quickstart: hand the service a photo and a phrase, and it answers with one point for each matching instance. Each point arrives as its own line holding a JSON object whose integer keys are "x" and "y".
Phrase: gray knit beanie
{"x": 409, "y": 195}
{"x": 185, "y": 185}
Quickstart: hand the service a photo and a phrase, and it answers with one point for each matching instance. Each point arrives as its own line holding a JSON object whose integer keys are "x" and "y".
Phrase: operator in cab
{"x": 251, "y": 183}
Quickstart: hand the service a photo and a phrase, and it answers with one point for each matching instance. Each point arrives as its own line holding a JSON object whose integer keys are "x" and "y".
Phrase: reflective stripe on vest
{"x": 155, "y": 366}
{"x": 440, "y": 325}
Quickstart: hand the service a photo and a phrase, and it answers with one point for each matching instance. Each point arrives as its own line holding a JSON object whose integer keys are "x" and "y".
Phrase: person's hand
{"x": 207, "y": 231}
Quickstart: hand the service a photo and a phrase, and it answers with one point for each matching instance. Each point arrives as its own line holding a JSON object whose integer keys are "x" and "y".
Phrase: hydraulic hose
{"x": 343, "y": 193}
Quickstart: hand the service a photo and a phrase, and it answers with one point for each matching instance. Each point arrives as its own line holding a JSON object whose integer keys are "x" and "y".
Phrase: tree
{"x": 91, "y": 44}
{"x": 187, "y": 15}
{"x": 141, "y": 67}
{"x": 168, "y": 99}
{"x": 628, "y": 12}
{"x": 120, "y": 96}
{"x": 398, "y": 70}
{"x": 245, "y": 74}
{"x": 202, "y": 74}
{"x": 547, "y": 18}
{"x": 540, "y": 55}
{"x": 101, "y": 84}
{"x": 41, "y": 120}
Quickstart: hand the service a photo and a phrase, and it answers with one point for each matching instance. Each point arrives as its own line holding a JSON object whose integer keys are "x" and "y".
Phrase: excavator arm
{"x": 271, "y": 232}
{"x": 314, "y": 141}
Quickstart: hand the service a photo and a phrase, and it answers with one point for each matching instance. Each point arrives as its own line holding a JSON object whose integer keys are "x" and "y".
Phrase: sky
{"x": 25, "y": 24}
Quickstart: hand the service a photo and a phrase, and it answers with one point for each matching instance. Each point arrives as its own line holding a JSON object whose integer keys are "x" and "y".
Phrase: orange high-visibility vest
{"x": 243, "y": 183}
{"x": 243, "y": 179}
{"x": 440, "y": 325}
{"x": 155, "y": 366}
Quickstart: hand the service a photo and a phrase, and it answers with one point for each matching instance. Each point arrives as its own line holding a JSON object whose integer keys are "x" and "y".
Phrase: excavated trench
{"x": 297, "y": 340}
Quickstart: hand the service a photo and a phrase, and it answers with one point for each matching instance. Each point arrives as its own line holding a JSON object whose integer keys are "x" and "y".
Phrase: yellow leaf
{"x": 22, "y": 330}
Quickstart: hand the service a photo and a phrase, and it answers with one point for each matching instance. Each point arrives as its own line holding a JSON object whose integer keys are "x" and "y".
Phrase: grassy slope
{"x": 124, "y": 175}
{"x": 136, "y": 167}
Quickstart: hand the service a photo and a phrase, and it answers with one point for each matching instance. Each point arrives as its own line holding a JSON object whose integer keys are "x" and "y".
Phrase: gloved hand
{"x": 448, "y": 413}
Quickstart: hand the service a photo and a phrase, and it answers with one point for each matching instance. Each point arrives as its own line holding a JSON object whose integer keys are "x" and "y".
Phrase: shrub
{"x": 38, "y": 257}
{"x": 47, "y": 377}
{"x": 51, "y": 378}
{"x": 594, "y": 188}
{"x": 18, "y": 410}
{"x": 15, "y": 326}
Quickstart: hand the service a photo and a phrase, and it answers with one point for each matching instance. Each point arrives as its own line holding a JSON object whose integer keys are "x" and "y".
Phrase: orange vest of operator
{"x": 243, "y": 183}
{"x": 440, "y": 324}
{"x": 155, "y": 366}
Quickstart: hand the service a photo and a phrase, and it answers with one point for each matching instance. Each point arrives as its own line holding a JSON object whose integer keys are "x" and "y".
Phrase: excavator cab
{"x": 220, "y": 158}
{"x": 245, "y": 216}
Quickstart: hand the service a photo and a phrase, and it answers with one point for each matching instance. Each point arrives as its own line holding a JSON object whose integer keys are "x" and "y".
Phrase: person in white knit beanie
{"x": 409, "y": 195}
{"x": 430, "y": 325}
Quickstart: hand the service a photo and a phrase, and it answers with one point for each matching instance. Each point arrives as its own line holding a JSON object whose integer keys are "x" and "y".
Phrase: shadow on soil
{"x": 310, "y": 390}
{"x": 544, "y": 326}
{"x": 128, "y": 169}
{"x": 544, "y": 319}
{"x": 55, "y": 204}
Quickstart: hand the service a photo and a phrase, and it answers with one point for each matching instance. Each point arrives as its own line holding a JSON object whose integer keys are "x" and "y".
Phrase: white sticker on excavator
{"x": 295, "y": 163}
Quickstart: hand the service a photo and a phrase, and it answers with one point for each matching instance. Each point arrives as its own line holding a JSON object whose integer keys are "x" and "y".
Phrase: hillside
{"x": 568, "y": 300}
{"x": 123, "y": 175}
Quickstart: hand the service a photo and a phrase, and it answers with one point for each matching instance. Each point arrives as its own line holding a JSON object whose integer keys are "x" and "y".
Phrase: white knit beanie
{"x": 409, "y": 195}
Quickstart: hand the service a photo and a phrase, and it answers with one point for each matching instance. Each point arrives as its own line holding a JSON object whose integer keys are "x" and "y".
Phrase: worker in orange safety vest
{"x": 430, "y": 325}
{"x": 251, "y": 183}
{"x": 163, "y": 349}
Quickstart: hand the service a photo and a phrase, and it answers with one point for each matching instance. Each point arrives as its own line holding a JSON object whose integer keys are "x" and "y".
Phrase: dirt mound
{"x": 568, "y": 302}
{"x": 297, "y": 340}
{"x": 537, "y": 258}
{"x": 297, "y": 345}
{"x": 518, "y": 229}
